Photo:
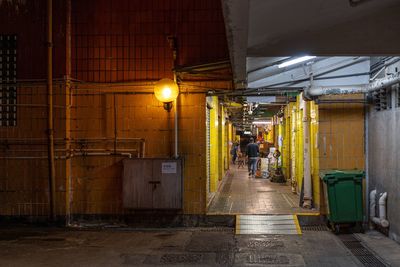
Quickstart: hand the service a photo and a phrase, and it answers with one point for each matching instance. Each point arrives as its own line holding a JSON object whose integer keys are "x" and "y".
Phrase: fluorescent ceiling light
{"x": 247, "y": 132}
{"x": 261, "y": 122}
{"x": 295, "y": 61}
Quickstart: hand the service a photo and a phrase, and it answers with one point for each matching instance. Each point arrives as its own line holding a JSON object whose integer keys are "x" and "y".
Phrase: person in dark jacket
{"x": 234, "y": 152}
{"x": 252, "y": 151}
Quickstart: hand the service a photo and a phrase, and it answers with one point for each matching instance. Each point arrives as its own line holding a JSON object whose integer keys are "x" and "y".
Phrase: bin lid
{"x": 341, "y": 174}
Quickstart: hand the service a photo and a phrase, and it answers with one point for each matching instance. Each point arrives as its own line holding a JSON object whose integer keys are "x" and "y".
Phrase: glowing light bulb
{"x": 166, "y": 92}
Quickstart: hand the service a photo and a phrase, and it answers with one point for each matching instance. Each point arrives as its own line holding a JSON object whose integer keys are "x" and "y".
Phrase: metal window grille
{"x": 398, "y": 96}
{"x": 8, "y": 80}
{"x": 382, "y": 99}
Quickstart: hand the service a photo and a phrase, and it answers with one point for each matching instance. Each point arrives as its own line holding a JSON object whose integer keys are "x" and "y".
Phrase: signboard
{"x": 168, "y": 167}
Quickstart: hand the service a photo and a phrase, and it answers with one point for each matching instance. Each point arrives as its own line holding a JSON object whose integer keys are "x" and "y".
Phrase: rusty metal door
{"x": 152, "y": 184}
{"x": 167, "y": 193}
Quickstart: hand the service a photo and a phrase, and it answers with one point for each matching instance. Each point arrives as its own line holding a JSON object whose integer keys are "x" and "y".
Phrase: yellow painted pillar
{"x": 214, "y": 144}
{"x": 293, "y": 146}
{"x": 299, "y": 144}
{"x": 314, "y": 128}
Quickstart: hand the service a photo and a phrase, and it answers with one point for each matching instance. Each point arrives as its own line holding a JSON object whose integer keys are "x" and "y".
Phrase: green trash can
{"x": 343, "y": 192}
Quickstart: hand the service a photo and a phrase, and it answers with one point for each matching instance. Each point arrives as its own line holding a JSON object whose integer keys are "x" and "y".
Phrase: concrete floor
{"x": 172, "y": 247}
{"x": 240, "y": 194}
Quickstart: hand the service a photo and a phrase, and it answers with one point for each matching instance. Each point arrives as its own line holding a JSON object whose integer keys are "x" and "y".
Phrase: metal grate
{"x": 319, "y": 227}
{"x": 363, "y": 254}
{"x": 370, "y": 261}
{"x": 398, "y": 96}
{"x": 382, "y": 99}
{"x": 8, "y": 80}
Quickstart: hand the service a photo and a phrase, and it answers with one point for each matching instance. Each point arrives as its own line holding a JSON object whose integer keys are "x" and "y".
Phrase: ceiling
{"x": 258, "y": 29}
{"x": 343, "y": 35}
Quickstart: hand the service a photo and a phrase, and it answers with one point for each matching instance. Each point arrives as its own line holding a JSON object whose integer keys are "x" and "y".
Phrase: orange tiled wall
{"x": 126, "y": 40}
{"x": 23, "y": 154}
{"x": 97, "y": 180}
{"x": 112, "y": 41}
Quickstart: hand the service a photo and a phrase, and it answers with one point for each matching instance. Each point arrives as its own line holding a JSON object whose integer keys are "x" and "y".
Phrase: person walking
{"x": 234, "y": 152}
{"x": 252, "y": 151}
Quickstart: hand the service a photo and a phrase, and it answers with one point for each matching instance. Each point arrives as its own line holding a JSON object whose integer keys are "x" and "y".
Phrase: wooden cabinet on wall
{"x": 152, "y": 184}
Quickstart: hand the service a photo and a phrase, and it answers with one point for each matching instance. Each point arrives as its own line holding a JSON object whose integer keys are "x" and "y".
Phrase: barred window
{"x": 398, "y": 96}
{"x": 8, "y": 80}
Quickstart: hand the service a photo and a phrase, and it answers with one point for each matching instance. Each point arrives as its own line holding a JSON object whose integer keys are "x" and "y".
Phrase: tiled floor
{"x": 243, "y": 195}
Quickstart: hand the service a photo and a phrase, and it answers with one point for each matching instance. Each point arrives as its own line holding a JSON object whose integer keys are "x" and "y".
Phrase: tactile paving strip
{"x": 267, "y": 224}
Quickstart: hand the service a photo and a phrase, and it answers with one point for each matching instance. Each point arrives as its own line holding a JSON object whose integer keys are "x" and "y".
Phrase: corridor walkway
{"x": 240, "y": 194}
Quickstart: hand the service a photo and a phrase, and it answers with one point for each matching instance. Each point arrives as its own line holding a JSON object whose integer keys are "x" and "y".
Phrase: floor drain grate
{"x": 363, "y": 254}
{"x": 314, "y": 228}
{"x": 370, "y": 261}
{"x": 181, "y": 258}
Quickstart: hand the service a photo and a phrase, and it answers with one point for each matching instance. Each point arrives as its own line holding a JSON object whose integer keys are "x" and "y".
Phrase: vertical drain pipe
{"x": 68, "y": 101}
{"x": 366, "y": 153}
{"x": 176, "y": 121}
{"x": 306, "y": 156}
{"x": 52, "y": 172}
{"x": 173, "y": 44}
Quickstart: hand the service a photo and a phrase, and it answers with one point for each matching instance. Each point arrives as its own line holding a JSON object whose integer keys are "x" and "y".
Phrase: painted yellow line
{"x": 296, "y": 222}
{"x": 237, "y": 224}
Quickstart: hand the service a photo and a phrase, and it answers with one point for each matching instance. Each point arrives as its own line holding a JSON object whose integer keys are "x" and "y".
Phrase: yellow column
{"x": 314, "y": 128}
{"x": 214, "y": 144}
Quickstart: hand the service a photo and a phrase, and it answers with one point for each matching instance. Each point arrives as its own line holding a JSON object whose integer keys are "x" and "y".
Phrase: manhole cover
{"x": 265, "y": 244}
{"x": 267, "y": 259}
{"x": 225, "y": 258}
{"x": 181, "y": 258}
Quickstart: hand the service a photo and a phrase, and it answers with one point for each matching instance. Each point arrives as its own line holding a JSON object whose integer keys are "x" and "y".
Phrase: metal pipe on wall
{"x": 312, "y": 92}
{"x": 176, "y": 155}
{"x": 68, "y": 104}
{"x": 50, "y": 130}
{"x": 366, "y": 153}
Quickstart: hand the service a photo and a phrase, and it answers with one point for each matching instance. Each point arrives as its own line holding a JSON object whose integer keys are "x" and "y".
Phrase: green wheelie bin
{"x": 343, "y": 190}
